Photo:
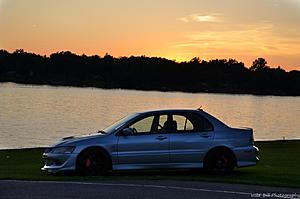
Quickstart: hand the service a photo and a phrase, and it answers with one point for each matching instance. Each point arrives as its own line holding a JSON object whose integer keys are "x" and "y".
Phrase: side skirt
{"x": 157, "y": 166}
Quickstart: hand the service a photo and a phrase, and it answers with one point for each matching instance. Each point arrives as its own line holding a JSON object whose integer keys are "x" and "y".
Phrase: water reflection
{"x": 33, "y": 116}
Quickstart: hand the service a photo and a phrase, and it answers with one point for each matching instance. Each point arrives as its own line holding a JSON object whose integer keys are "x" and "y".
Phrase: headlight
{"x": 63, "y": 149}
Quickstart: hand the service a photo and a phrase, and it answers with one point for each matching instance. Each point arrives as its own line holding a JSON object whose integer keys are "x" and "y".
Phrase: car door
{"x": 192, "y": 138}
{"x": 146, "y": 145}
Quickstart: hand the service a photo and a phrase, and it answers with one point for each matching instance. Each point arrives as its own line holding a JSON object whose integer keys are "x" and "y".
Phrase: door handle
{"x": 205, "y": 135}
{"x": 161, "y": 137}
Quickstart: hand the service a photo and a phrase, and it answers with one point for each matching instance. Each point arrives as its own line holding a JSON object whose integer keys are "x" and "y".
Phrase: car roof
{"x": 171, "y": 111}
{"x": 216, "y": 122}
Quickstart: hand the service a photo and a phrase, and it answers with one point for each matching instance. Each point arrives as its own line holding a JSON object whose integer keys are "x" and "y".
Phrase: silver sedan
{"x": 156, "y": 139}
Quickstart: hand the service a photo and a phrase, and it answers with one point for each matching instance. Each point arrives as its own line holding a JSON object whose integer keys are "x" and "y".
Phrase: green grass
{"x": 278, "y": 166}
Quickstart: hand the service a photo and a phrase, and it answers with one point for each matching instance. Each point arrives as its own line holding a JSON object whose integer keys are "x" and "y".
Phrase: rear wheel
{"x": 219, "y": 162}
{"x": 92, "y": 163}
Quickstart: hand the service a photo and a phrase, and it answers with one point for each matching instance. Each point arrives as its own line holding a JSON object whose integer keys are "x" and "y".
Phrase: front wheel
{"x": 92, "y": 163}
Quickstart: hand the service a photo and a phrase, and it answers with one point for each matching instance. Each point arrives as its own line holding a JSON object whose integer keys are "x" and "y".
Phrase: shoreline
{"x": 163, "y": 90}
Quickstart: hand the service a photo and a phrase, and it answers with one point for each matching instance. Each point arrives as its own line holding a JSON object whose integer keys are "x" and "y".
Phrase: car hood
{"x": 75, "y": 139}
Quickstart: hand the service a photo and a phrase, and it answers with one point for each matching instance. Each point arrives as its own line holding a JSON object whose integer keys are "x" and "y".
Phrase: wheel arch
{"x": 99, "y": 149}
{"x": 218, "y": 149}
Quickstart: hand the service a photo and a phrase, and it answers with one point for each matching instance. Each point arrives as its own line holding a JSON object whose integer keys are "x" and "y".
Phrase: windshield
{"x": 119, "y": 123}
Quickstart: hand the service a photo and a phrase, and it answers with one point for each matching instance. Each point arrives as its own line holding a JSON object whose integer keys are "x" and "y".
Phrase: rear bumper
{"x": 246, "y": 156}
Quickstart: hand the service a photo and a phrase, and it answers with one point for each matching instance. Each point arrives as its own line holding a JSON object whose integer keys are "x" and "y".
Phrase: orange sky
{"x": 175, "y": 29}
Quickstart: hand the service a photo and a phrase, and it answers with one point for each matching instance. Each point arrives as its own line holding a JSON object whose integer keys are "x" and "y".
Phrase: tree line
{"x": 148, "y": 73}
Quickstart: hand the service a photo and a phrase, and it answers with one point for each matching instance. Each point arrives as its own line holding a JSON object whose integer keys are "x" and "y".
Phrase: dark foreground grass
{"x": 278, "y": 166}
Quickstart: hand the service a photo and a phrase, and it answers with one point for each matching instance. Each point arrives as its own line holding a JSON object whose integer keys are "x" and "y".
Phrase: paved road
{"x": 137, "y": 190}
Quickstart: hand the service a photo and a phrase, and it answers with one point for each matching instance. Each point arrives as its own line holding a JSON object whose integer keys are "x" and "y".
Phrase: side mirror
{"x": 127, "y": 131}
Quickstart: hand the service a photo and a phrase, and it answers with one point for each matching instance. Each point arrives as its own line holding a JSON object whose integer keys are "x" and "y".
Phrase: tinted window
{"x": 191, "y": 123}
{"x": 200, "y": 123}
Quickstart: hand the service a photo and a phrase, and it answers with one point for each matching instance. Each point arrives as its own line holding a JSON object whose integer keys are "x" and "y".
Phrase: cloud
{"x": 201, "y": 18}
{"x": 254, "y": 39}
{"x": 297, "y": 2}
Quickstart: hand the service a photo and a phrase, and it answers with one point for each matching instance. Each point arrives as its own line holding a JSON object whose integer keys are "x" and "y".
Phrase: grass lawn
{"x": 278, "y": 166}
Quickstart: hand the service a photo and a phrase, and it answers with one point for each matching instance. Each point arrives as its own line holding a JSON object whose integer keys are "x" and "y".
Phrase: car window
{"x": 189, "y": 126}
{"x": 191, "y": 123}
{"x": 143, "y": 125}
{"x": 161, "y": 122}
{"x": 119, "y": 123}
{"x": 206, "y": 125}
{"x": 183, "y": 123}
{"x": 200, "y": 123}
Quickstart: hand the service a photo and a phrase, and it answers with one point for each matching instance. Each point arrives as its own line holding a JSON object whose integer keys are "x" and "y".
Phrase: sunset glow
{"x": 175, "y": 29}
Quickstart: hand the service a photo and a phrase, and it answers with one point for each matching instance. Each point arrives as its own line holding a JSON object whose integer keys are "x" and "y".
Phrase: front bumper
{"x": 55, "y": 163}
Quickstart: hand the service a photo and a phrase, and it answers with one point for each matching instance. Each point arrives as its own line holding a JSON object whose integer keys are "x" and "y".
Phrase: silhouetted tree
{"x": 258, "y": 64}
{"x": 147, "y": 73}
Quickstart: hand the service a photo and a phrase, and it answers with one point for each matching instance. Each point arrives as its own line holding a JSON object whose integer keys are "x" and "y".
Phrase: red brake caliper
{"x": 88, "y": 163}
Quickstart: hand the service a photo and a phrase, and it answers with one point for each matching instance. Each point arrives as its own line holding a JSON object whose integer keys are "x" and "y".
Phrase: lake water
{"x": 32, "y": 116}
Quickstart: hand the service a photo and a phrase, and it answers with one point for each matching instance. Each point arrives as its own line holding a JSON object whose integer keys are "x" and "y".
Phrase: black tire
{"x": 92, "y": 163}
{"x": 219, "y": 162}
